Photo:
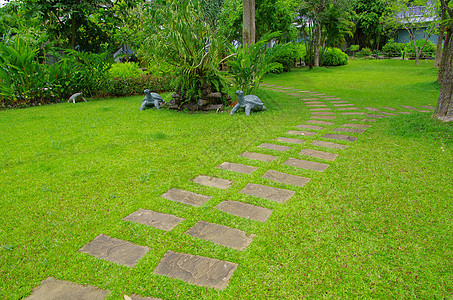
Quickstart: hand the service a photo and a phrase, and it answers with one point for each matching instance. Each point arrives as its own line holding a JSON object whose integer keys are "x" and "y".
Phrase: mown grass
{"x": 376, "y": 224}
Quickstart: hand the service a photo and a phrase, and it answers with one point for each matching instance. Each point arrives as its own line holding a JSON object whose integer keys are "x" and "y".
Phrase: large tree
{"x": 366, "y": 16}
{"x": 444, "y": 109}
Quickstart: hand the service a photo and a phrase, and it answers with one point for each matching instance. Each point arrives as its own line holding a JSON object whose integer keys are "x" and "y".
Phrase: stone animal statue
{"x": 249, "y": 102}
{"x": 151, "y": 99}
{"x": 77, "y": 97}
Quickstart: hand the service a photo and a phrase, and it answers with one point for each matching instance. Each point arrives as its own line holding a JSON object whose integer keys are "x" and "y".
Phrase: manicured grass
{"x": 376, "y": 224}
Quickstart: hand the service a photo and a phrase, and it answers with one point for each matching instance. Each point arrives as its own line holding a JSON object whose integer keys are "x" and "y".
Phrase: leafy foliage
{"x": 248, "y": 64}
{"x": 126, "y": 86}
{"x": 125, "y": 70}
{"x": 334, "y": 57}
{"x": 393, "y": 49}
{"x": 423, "y": 47}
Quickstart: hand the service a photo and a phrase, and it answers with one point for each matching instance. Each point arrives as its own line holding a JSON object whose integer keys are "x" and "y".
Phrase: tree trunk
{"x": 248, "y": 19}
{"x": 444, "y": 109}
{"x": 440, "y": 41}
{"x": 444, "y": 59}
{"x": 317, "y": 45}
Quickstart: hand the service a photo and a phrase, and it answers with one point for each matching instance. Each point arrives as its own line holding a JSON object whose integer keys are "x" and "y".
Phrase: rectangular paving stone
{"x": 316, "y": 105}
{"x": 320, "y": 109}
{"x": 313, "y": 127}
{"x": 154, "y": 219}
{"x": 237, "y": 168}
{"x": 309, "y": 99}
{"x": 319, "y": 122}
{"x": 389, "y": 108}
{"x": 372, "y": 108}
{"x": 274, "y": 147}
{"x": 267, "y": 192}
{"x": 404, "y": 112}
{"x": 245, "y": 210}
{"x": 332, "y": 98}
{"x": 387, "y": 113}
{"x": 375, "y": 116}
{"x": 353, "y": 130}
{"x": 356, "y": 125}
{"x": 328, "y": 145}
{"x": 322, "y": 113}
{"x": 324, "y": 117}
{"x": 348, "y": 108}
{"x": 343, "y": 105}
{"x": 314, "y": 102}
{"x": 213, "y": 182}
{"x": 353, "y": 113}
{"x": 368, "y": 120}
{"x": 197, "y": 270}
{"x": 286, "y": 178}
{"x": 52, "y": 288}
{"x": 220, "y": 234}
{"x": 341, "y": 137}
{"x": 305, "y": 133}
{"x": 342, "y": 101}
{"x": 186, "y": 197}
{"x": 290, "y": 140}
{"x": 305, "y": 164}
{"x": 408, "y": 107}
{"x": 428, "y": 107}
{"x": 258, "y": 156}
{"x": 319, "y": 154}
{"x": 115, "y": 250}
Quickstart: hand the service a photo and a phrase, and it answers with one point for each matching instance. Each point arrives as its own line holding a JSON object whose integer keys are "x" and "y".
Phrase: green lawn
{"x": 376, "y": 224}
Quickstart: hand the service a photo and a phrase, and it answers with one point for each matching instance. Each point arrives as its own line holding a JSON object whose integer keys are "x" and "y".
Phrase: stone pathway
{"x": 209, "y": 271}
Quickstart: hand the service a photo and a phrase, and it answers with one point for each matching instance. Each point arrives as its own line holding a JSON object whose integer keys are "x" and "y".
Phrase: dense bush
{"x": 428, "y": 50}
{"x": 334, "y": 57}
{"x": 393, "y": 49}
{"x": 286, "y": 55}
{"x": 125, "y": 70}
{"x": 120, "y": 86}
{"x": 364, "y": 52}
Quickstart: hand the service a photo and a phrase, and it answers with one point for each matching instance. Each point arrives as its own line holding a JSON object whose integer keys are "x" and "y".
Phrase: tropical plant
{"x": 248, "y": 64}
{"x": 125, "y": 70}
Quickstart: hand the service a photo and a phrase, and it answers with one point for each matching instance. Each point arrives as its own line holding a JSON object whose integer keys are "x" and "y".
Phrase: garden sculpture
{"x": 151, "y": 99}
{"x": 249, "y": 102}
{"x": 76, "y": 98}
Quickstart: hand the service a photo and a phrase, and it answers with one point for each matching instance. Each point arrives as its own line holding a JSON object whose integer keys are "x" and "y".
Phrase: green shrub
{"x": 334, "y": 57}
{"x": 125, "y": 70}
{"x": 120, "y": 86}
{"x": 354, "y": 47}
{"x": 286, "y": 55}
{"x": 393, "y": 49}
{"x": 429, "y": 49}
{"x": 364, "y": 52}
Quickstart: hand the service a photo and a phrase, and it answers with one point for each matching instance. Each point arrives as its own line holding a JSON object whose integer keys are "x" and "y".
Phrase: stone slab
{"x": 348, "y": 108}
{"x": 389, "y": 108}
{"x": 305, "y": 164}
{"x": 258, "y": 156}
{"x": 315, "y": 105}
{"x": 58, "y": 289}
{"x": 186, "y": 197}
{"x": 343, "y": 105}
{"x": 290, "y": 140}
{"x": 353, "y": 130}
{"x": 341, "y": 137}
{"x": 421, "y": 110}
{"x": 319, "y": 122}
{"x": 368, "y": 120}
{"x": 324, "y": 117}
{"x": 274, "y": 147}
{"x": 197, "y": 270}
{"x": 308, "y": 99}
{"x": 332, "y": 98}
{"x": 305, "y": 133}
{"x": 353, "y": 113}
{"x": 387, "y": 113}
{"x": 267, "y": 192}
{"x": 404, "y": 112}
{"x": 115, "y": 250}
{"x": 319, "y": 154}
{"x": 138, "y": 297}
{"x": 356, "y": 125}
{"x": 408, "y": 107}
{"x": 213, "y": 182}
{"x": 341, "y": 101}
{"x": 313, "y": 127}
{"x": 375, "y": 116}
{"x": 328, "y": 145}
{"x": 237, "y": 168}
{"x": 220, "y": 234}
{"x": 154, "y": 219}
{"x": 245, "y": 210}
{"x": 320, "y": 109}
{"x": 372, "y": 108}
{"x": 322, "y": 113}
{"x": 286, "y": 178}
{"x": 428, "y": 107}
{"x": 313, "y": 102}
